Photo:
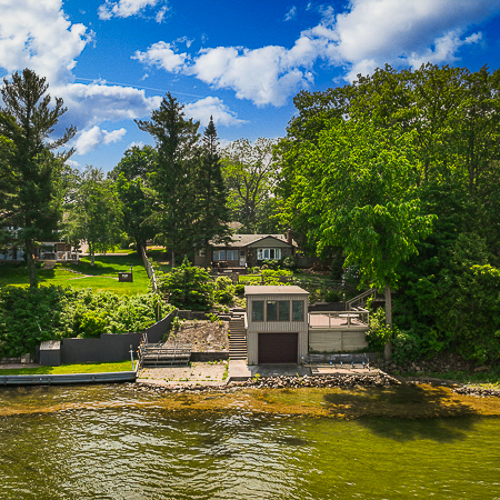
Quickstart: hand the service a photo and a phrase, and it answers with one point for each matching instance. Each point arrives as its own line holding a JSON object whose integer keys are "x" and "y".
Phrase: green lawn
{"x": 103, "y": 276}
{"x": 123, "y": 366}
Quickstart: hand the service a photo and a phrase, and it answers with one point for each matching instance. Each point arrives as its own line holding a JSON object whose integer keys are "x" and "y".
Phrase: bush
{"x": 406, "y": 347}
{"x": 189, "y": 287}
{"x": 239, "y": 290}
{"x": 378, "y": 334}
{"x": 290, "y": 263}
{"x": 28, "y": 317}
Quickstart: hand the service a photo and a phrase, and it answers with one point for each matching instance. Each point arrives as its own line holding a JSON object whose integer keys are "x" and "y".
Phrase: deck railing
{"x": 358, "y": 318}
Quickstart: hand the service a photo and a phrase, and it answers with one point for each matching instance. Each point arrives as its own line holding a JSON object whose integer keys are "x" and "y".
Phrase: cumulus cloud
{"x": 94, "y": 103}
{"x": 366, "y": 35}
{"x": 128, "y": 8}
{"x": 162, "y": 55}
{"x": 38, "y": 35}
{"x": 203, "y": 109}
{"x": 400, "y": 32}
{"x": 89, "y": 140}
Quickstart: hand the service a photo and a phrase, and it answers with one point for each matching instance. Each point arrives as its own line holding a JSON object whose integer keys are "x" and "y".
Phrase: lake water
{"x": 109, "y": 442}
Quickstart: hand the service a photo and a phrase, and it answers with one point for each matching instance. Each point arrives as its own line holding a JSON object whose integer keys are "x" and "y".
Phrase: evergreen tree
{"x": 213, "y": 213}
{"x": 27, "y": 120}
{"x": 174, "y": 180}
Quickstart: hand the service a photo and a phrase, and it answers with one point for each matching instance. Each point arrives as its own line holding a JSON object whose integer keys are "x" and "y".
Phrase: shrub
{"x": 239, "y": 290}
{"x": 189, "y": 287}
{"x": 290, "y": 263}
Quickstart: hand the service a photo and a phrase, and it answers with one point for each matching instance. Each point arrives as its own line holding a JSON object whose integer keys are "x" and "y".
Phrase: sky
{"x": 242, "y": 62}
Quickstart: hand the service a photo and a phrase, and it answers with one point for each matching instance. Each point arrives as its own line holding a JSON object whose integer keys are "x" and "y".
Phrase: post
{"x": 132, "y": 357}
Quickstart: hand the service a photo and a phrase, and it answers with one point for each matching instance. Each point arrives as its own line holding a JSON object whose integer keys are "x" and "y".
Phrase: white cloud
{"x": 128, "y": 8}
{"x": 291, "y": 14}
{"x": 400, "y": 32}
{"x": 94, "y": 103}
{"x": 38, "y": 35}
{"x": 162, "y": 55}
{"x": 89, "y": 140}
{"x": 203, "y": 109}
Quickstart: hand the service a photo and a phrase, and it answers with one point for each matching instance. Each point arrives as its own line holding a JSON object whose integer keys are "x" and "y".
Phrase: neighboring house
{"x": 49, "y": 250}
{"x": 247, "y": 250}
{"x": 280, "y": 328}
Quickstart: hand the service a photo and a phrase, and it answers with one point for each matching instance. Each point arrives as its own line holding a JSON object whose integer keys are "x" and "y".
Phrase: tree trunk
{"x": 173, "y": 259}
{"x": 91, "y": 252}
{"x": 388, "y": 321}
{"x": 31, "y": 264}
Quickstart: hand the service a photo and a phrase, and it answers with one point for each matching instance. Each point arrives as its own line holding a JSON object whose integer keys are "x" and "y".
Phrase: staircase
{"x": 238, "y": 339}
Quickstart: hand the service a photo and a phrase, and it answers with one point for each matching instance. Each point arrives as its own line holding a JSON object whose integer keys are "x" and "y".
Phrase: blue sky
{"x": 240, "y": 61}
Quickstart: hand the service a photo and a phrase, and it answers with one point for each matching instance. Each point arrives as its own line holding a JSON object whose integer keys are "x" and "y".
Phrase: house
{"x": 247, "y": 250}
{"x": 280, "y": 329}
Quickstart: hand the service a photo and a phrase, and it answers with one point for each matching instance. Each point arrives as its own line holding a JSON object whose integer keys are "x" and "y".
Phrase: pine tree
{"x": 174, "y": 180}
{"x": 27, "y": 120}
{"x": 213, "y": 213}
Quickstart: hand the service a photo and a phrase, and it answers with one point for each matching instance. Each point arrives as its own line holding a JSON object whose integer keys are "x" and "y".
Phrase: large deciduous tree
{"x": 174, "y": 179}
{"x": 250, "y": 173}
{"x": 27, "y": 121}
{"x": 131, "y": 180}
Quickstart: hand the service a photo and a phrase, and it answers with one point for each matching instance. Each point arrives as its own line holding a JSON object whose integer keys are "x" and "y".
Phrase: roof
{"x": 275, "y": 290}
{"x": 244, "y": 240}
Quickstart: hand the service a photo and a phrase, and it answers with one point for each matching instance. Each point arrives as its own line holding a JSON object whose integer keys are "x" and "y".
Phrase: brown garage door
{"x": 278, "y": 347}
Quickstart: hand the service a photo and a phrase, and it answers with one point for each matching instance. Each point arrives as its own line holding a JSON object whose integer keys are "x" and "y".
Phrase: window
{"x": 278, "y": 310}
{"x": 297, "y": 310}
{"x": 219, "y": 255}
{"x": 284, "y": 310}
{"x": 258, "y": 310}
{"x": 232, "y": 255}
{"x": 269, "y": 254}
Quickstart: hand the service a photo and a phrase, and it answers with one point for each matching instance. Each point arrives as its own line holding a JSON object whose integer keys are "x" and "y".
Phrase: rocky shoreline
{"x": 381, "y": 379}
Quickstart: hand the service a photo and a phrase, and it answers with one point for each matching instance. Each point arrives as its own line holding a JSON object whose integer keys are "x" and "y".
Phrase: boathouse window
{"x": 258, "y": 310}
{"x": 278, "y": 310}
{"x": 297, "y": 310}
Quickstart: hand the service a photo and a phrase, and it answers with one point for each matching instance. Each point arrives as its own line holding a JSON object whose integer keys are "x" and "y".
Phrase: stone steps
{"x": 238, "y": 340}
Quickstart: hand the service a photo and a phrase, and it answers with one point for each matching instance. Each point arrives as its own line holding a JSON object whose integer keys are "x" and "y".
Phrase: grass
{"x": 123, "y": 366}
{"x": 103, "y": 276}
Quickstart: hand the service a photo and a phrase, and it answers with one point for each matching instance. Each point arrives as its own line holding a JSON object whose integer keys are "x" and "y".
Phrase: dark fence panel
{"x": 106, "y": 349}
{"x": 155, "y": 332}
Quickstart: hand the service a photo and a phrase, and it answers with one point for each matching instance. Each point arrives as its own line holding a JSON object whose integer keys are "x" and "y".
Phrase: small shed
{"x": 277, "y": 319}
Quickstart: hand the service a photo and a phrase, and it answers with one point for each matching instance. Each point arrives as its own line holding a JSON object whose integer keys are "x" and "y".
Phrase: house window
{"x": 269, "y": 254}
{"x": 297, "y": 310}
{"x": 278, "y": 310}
{"x": 258, "y": 310}
{"x": 219, "y": 255}
{"x": 232, "y": 255}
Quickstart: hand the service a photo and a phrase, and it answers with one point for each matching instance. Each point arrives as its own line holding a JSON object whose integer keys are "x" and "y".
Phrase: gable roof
{"x": 245, "y": 240}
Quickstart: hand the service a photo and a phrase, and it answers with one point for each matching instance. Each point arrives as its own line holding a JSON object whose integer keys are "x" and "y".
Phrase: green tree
{"x": 27, "y": 120}
{"x": 250, "y": 172}
{"x": 131, "y": 180}
{"x": 357, "y": 191}
{"x": 177, "y": 143}
{"x": 188, "y": 287}
{"x": 95, "y": 214}
{"x": 211, "y": 193}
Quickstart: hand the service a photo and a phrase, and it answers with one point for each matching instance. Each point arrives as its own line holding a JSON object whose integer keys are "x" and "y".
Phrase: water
{"x": 106, "y": 442}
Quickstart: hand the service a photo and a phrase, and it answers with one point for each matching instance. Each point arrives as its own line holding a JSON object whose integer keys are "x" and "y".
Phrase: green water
{"x": 106, "y": 442}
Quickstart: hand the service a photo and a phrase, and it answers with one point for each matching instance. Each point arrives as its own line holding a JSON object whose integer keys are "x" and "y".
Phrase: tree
{"x": 213, "y": 214}
{"x": 95, "y": 214}
{"x": 173, "y": 181}
{"x": 250, "y": 173}
{"x": 27, "y": 120}
{"x": 357, "y": 191}
{"x": 131, "y": 181}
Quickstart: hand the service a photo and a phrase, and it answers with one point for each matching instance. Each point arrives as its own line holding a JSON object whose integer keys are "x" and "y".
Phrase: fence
{"x": 149, "y": 269}
{"x": 108, "y": 348}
